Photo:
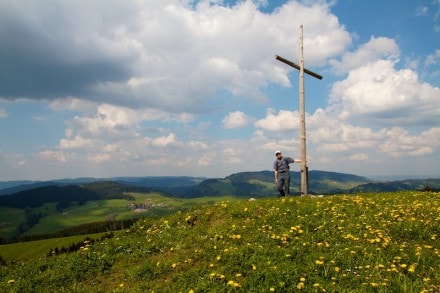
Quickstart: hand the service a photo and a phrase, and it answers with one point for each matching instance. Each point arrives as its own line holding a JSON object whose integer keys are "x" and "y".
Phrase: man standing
{"x": 282, "y": 173}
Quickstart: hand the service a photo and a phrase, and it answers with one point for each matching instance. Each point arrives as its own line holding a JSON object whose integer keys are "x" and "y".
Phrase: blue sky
{"x": 143, "y": 88}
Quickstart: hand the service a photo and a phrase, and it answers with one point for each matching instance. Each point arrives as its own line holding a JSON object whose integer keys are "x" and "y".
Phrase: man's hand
{"x": 297, "y": 161}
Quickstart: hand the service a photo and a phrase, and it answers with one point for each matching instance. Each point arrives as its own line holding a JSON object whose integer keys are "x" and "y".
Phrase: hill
{"x": 346, "y": 243}
{"x": 261, "y": 184}
{"x": 168, "y": 183}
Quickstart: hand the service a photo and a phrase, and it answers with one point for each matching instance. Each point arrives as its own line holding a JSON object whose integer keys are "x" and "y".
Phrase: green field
{"x": 93, "y": 211}
{"x": 36, "y": 249}
{"x": 376, "y": 242}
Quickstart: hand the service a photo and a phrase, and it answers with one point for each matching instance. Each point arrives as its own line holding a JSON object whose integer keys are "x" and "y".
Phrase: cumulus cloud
{"x": 284, "y": 120}
{"x": 376, "y": 91}
{"x": 168, "y": 55}
{"x": 236, "y": 119}
{"x": 375, "y": 49}
{"x": 54, "y": 157}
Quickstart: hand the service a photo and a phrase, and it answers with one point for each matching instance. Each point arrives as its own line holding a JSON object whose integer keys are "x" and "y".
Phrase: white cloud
{"x": 379, "y": 93}
{"x": 399, "y": 143}
{"x": 169, "y": 55}
{"x": 3, "y": 113}
{"x": 73, "y": 104}
{"x": 284, "y": 120}
{"x": 433, "y": 58}
{"x": 54, "y": 157}
{"x": 197, "y": 145}
{"x": 375, "y": 49}
{"x": 206, "y": 160}
{"x": 236, "y": 119}
{"x": 164, "y": 141}
{"x": 75, "y": 142}
{"x": 421, "y": 10}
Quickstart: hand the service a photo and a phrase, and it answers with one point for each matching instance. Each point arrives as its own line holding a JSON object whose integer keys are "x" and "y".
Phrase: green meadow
{"x": 372, "y": 242}
{"x": 94, "y": 211}
{"x": 23, "y": 251}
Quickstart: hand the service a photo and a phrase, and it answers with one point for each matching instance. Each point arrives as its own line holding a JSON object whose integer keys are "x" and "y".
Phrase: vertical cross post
{"x": 302, "y": 111}
{"x": 302, "y": 70}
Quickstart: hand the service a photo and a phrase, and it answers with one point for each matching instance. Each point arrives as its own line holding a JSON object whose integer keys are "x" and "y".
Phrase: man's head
{"x": 278, "y": 154}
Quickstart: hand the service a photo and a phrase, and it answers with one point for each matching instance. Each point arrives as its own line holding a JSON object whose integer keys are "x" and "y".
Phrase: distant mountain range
{"x": 246, "y": 184}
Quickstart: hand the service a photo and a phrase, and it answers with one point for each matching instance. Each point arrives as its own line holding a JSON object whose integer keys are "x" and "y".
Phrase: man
{"x": 282, "y": 173}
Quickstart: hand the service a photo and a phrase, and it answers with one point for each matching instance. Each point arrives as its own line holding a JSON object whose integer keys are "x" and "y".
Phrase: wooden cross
{"x": 302, "y": 70}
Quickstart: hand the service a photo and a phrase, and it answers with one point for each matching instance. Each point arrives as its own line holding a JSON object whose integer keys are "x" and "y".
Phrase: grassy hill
{"x": 261, "y": 184}
{"x": 371, "y": 242}
{"x": 61, "y": 207}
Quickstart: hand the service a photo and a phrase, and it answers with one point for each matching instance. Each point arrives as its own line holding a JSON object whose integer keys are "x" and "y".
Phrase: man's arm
{"x": 296, "y": 161}
{"x": 276, "y": 175}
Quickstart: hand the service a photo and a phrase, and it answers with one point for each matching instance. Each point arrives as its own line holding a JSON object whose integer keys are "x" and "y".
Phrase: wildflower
{"x": 302, "y": 279}
{"x": 300, "y": 285}
{"x": 191, "y": 291}
{"x": 254, "y": 267}
{"x": 12, "y": 281}
{"x": 337, "y": 269}
{"x": 319, "y": 262}
{"x": 234, "y": 284}
{"x": 238, "y": 275}
{"x": 174, "y": 265}
{"x": 121, "y": 285}
{"x": 412, "y": 268}
{"x": 272, "y": 289}
{"x": 316, "y": 285}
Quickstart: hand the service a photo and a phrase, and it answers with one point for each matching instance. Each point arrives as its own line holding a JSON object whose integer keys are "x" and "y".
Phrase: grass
{"x": 385, "y": 242}
{"x": 36, "y": 249}
{"x": 93, "y": 211}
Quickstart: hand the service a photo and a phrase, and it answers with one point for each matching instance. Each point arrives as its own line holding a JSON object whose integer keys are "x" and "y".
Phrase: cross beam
{"x": 296, "y": 66}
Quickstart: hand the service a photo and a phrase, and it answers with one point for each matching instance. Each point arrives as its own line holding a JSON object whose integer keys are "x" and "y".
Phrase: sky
{"x": 107, "y": 88}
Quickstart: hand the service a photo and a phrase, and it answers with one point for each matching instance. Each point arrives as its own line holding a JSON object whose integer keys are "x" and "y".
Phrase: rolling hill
{"x": 368, "y": 242}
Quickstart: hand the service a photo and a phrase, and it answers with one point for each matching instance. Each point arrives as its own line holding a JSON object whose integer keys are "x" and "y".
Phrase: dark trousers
{"x": 284, "y": 183}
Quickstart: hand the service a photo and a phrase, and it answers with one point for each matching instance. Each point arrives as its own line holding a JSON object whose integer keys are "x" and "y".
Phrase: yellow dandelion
{"x": 238, "y": 275}
{"x": 121, "y": 285}
{"x": 174, "y": 265}
{"x": 191, "y": 291}
{"x": 254, "y": 267}
{"x": 316, "y": 285}
{"x": 272, "y": 289}
{"x": 412, "y": 268}
{"x": 12, "y": 281}
{"x": 319, "y": 262}
{"x": 300, "y": 285}
{"x": 302, "y": 279}
{"x": 337, "y": 269}
{"x": 230, "y": 283}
